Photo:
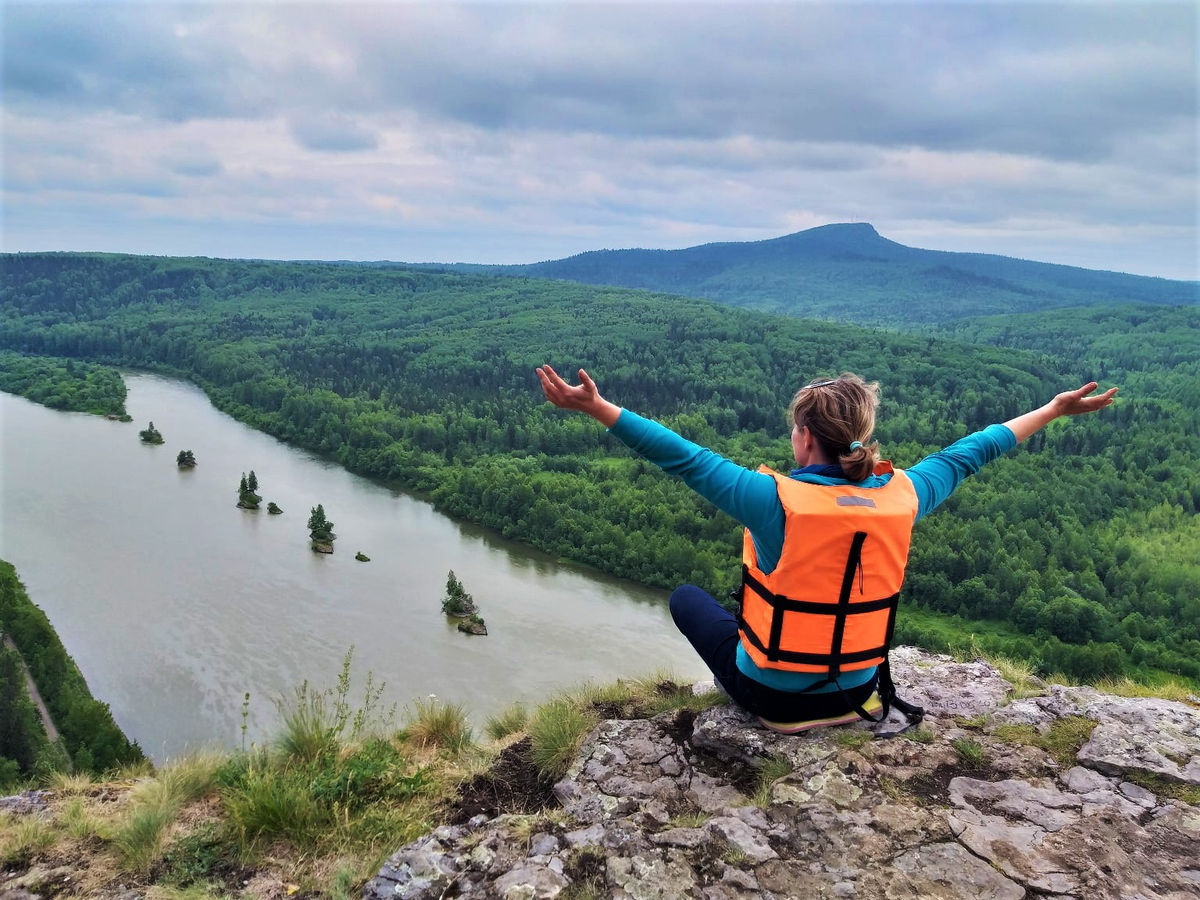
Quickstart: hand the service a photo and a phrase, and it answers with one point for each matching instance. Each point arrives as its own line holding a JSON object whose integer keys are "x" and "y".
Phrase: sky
{"x": 509, "y": 133}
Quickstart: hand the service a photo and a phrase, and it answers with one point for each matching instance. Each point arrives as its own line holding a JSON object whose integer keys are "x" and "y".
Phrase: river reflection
{"x": 175, "y": 603}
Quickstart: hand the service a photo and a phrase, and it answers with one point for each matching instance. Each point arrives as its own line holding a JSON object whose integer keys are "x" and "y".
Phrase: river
{"x": 175, "y": 603}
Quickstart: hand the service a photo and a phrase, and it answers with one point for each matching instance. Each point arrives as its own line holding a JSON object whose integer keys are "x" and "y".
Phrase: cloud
{"x": 584, "y": 125}
{"x": 333, "y": 133}
{"x": 192, "y": 161}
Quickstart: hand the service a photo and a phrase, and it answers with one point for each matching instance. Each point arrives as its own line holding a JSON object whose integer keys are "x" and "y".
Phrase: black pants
{"x": 713, "y": 632}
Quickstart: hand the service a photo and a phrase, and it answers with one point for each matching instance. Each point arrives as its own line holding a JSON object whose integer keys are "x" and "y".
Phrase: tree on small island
{"x": 362, "y": 557}
{"x": 150, "y": 435}
{"x": 320, "y": 530}
{"x": 247, "y": 498}
{"x": 457, "y": 602}
{"x": 273, "y": 509}
{"x": 186, "y": 459}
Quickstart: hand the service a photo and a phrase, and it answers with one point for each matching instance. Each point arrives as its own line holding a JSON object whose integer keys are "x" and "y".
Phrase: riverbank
{"x": 90, "y": 741}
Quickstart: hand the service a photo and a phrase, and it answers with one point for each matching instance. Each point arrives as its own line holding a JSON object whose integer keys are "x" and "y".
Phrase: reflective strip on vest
{"x": 829, "y": 606}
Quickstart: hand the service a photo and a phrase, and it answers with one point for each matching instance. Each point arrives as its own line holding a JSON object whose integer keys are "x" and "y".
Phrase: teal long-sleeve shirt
{"x": 751, "y": 498}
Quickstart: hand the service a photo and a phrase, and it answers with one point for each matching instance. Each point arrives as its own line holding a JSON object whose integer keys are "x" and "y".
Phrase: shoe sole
{"x": 872, "y": 706}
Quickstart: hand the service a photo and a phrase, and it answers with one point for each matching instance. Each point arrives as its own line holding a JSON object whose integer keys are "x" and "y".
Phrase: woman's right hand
{"x": 584, "y": 397}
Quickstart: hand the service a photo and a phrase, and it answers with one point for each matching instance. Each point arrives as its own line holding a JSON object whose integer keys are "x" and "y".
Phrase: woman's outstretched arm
{"x": 583, "y": 397}
{"x": 1068, "y": 403}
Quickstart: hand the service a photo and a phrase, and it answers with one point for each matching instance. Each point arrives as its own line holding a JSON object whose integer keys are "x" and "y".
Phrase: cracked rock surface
{"x": 971, "y": 805}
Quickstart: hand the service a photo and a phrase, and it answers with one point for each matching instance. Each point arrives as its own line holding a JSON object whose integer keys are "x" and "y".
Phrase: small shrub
{"x": 316, "y": 722}
{"x": 509, "y": 721}
{"x": 70, "y": 783}
{"x": 199, "y": 856}
{"x": 556, "y": 731}
{"x": 970, "y": 752}
{"x": 436, "y": 724}
{"x": 20, "y": 838}
{"x": 154, "y": 804}
{"x": 374, "y": 772}
{"x": 76, "y": 820}
{"x": 274, "y": 803}
{"x": 139, "y": 839}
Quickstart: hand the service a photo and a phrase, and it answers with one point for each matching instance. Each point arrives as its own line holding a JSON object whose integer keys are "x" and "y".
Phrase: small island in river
{"x": 248, "y": 497}
{"x": 458, "y": 604}
{"x": 186, "y": 459}
{"x": 150, "y": 435}
{"x": 320, "y": 530}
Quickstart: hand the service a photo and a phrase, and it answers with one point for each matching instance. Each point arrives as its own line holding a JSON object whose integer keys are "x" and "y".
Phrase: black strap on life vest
{"x": 836, "y": 657}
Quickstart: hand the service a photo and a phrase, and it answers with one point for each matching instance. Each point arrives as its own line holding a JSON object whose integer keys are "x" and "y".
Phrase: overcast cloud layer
{"x": 515, "y": 133}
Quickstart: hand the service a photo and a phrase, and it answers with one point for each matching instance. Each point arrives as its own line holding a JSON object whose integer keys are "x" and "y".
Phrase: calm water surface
{"x": 175, "y": 603}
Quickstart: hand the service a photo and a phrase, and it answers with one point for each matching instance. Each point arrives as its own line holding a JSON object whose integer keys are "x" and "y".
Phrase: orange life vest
{"x": 830, "y": 604}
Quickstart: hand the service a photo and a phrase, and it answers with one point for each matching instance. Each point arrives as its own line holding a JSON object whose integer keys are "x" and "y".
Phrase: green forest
{"x": 64, "y": 384}
{"x": 1077, "y": 552}
{"x": 89, "y": 739}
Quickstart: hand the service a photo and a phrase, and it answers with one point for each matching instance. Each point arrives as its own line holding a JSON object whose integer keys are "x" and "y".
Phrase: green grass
{"x": 508, "y": 721}
{"x": 21, "y": 837}
{"x": 275, "y": 803}
{"x": 772, "y": 770}
{"x": 1164, "y": 787}
{"x": 155, "y": 803}
{"x": 556, "y": 731}
{"x": 1062, "y": 740}
{"x": 557, "y": 728}
{"x": 970, "y": 752}
{"x": 77, "y": 821}
{"x": 922, "y": 734}
{"x": 852, "y": 738}
{"x": 432, "y": 723}
{"x": 1168, "y": 689}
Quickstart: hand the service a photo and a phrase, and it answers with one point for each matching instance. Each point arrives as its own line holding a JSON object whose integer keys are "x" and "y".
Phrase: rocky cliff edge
{"x": 1070, "y": 794}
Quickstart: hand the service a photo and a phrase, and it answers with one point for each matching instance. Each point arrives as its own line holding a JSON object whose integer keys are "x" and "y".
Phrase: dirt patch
{"x": 680, "y": 726}
{"x": 512, "y": 785}
{"x": 933, "y": 788}
{"x": 586, "y": 868}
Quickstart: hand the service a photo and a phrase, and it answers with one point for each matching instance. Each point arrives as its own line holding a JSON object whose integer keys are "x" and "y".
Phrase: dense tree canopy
{"x": 65, "y": 384}
{"x": 1077, "y": 551}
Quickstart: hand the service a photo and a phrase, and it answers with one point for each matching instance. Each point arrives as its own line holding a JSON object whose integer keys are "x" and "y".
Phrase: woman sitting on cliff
{"x": 824, "y": 549}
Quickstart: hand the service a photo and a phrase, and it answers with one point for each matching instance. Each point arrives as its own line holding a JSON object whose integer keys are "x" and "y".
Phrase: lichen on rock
{"x": 652, "y": 809}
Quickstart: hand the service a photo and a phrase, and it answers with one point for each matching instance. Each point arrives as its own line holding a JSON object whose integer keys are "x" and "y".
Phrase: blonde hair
{"x": 838, "y": 412}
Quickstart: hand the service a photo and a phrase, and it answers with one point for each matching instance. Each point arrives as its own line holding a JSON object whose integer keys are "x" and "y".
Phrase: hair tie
{"x": 854, "y": 445}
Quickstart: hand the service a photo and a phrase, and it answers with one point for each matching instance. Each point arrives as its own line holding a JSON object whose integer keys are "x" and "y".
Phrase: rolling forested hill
{"x": 1077, "y": 552}
{"x": 850, "y": 273}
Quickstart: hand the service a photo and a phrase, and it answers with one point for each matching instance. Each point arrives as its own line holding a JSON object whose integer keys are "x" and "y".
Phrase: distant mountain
{"x": 851, "y": 273}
